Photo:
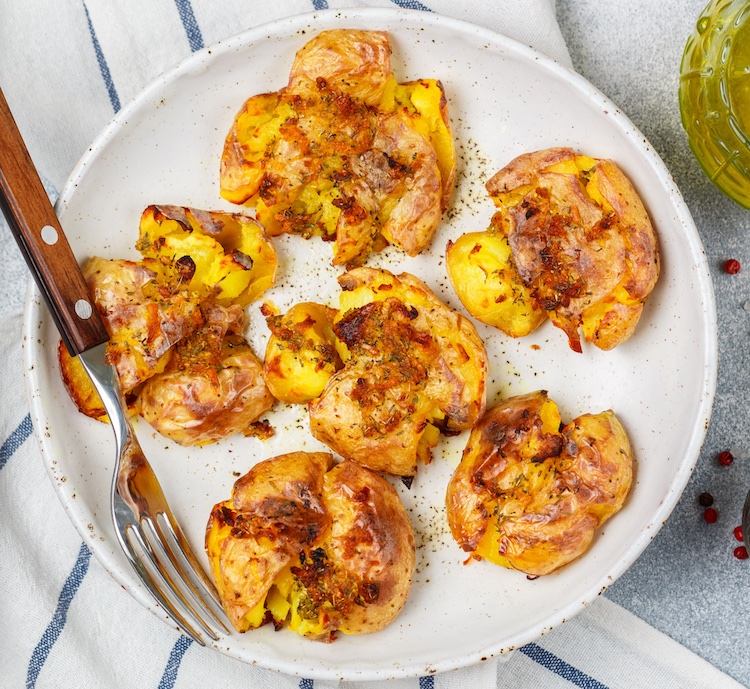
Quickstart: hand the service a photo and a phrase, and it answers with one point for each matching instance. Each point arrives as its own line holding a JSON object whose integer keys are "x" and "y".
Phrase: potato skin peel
{"x": 529, "y": 493}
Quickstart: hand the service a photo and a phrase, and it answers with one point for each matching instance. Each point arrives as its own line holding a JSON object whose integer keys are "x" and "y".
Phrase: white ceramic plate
{"x": 504, "y": 99}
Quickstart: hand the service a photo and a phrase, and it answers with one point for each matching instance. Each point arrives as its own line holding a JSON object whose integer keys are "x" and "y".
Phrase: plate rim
{"x": 35, "y": 312}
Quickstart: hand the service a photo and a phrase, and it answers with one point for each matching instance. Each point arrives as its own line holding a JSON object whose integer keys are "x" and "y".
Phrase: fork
{"x": 151, "y": 538}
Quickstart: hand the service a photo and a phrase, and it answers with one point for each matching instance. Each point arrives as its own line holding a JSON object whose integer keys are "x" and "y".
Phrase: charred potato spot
{"x": 411, "y": 366}
{"x": 224, "y": 255}
{"x": 581, "y": 244}
{"x": 301, "y": 354}
{"x": 344, "y": 151}
{"x": 321, "y": 549}
{"x": 529, "y": 493}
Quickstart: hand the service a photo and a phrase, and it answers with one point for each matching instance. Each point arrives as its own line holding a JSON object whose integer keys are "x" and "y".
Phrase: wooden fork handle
{"x": 40, "y": 237}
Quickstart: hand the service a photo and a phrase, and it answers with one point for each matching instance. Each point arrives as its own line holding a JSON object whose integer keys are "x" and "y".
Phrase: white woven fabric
{"x": 65, "y": 68}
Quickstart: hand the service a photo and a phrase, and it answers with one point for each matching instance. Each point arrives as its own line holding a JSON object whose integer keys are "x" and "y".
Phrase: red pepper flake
{"x": 710, "y": 515}
{"x": 738, "y": 532}
{"x": 726, "y": 458}
{"x": 732, "y": 266}
{"x": 740, "y": 552}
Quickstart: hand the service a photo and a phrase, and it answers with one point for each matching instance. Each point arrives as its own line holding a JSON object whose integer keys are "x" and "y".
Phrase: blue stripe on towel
{"x": 427, "y": 682}
{"x": 193, "y": 31}
{"x": 15, "y": 440}
{"x": 320, "y": 4}
{"x": 560, "y": 667}
{"x": 306, "y": 684}
{"x": 103, "y": 66}
{"x": 55, "y": 627}
{"x": 173, "y": 664}
{"x": 411, "y": 5}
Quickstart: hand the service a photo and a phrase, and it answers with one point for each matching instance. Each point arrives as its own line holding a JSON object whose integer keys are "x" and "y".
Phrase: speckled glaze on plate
{"x": 504, "y": 99}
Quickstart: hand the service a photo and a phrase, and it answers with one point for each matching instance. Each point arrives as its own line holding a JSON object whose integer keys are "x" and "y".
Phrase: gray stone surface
{"x": 687, "y": 583}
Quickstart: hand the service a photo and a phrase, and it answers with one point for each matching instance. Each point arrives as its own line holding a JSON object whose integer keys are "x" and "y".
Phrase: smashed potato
{"x": 344, "y": 151}
{"x": 322, "y": 548}
{"x": 529, "y": 493}
{"x": 581, "y": 250}
{"x": 300, "y": 355}
{"x": 412, "y": 366}
{"x": 226, "y": 256}
{"x": 176, "y": 325}
{"x": 213, "y": 385}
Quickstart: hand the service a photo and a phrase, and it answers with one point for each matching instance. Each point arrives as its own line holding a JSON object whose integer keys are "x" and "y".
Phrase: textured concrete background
{"x": 687, "y": 583}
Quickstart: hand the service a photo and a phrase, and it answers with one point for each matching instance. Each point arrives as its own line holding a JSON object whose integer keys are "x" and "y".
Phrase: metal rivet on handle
{"x": 49, "y": 235}
{"x": 83, "y": 309}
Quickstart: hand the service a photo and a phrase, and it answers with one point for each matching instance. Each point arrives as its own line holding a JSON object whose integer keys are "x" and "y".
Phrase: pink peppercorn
{"x": 732, "y": 266}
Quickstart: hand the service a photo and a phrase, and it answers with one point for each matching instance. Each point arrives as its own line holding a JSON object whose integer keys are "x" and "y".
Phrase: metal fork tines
{"x": 146, "y": 528}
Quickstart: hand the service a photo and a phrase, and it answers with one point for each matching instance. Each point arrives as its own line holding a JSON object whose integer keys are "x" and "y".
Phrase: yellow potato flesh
{"x": 298, "y": 367}
{"x": 481, "y": 270}
{"x": 217, "y": 268}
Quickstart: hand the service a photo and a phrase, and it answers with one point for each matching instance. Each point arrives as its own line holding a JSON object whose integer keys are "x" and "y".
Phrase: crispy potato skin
{"x": 581, "y": 241}
{"x": 340, "y": 530}
{"x": 212, "y": 387}
{"x": 301, "y": 355}
{"x": 144, "y": 323}
{"x": 529, "y": 496}
{"x": 410, "y": 363}
{"x": 344, "y": 151}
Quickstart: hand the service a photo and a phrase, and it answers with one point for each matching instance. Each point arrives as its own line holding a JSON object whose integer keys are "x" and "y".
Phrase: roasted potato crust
{"x": 144, "y": 322}
{"x": 213, "y": 385}
{"x": 325, "y": 548}
{"x": 344, "y": 151}
{"x": 582, "y": 250}
{"x": 411, "y": 365}
{"x": 529, "y": 493}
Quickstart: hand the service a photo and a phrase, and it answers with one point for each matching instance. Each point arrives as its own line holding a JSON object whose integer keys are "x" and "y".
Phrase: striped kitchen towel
{"x": 65, "y": 69}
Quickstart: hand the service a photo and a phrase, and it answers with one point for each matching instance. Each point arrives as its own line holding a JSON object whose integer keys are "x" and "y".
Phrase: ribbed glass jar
{"x": 715, "y": 95}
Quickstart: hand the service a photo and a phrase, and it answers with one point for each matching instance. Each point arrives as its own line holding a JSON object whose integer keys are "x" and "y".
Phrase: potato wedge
{"x": 301, "y": 353}
{"x": 412, "y": 366}
{"x": 529, "y": 494}
{"x": 581, "y": 240}
{"x": 224, "y": 255}
{"x": 322, "y": 548}
{"x": 344, "y": 151}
